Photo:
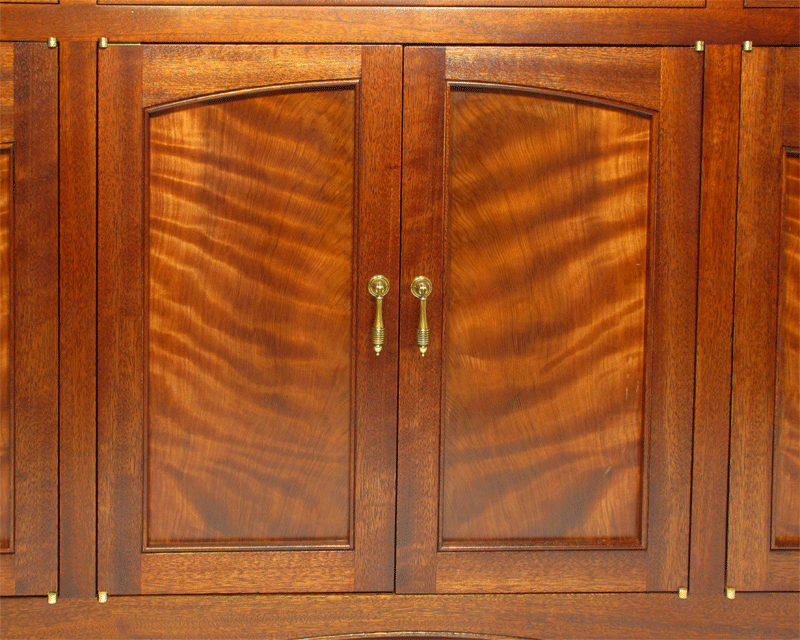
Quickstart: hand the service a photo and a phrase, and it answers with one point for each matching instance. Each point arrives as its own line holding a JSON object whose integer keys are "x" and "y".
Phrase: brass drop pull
{"x": 421, "y": 288}
{"x": 378, "y": 287}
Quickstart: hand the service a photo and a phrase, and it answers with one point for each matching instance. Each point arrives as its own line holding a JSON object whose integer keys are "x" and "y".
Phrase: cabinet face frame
{"x": 373, "y": 74}
{"x": 769, "y": 137}
{"x": 421, "y": 566}
{"x": 29, "y": 76}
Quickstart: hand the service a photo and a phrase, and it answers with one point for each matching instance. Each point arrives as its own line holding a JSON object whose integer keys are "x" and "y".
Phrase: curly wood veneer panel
{"x": 786, "y": 499}
{"x": 543, "y": 428}
{"x": 250, "y": 320}
{"x": 6, "y": 425}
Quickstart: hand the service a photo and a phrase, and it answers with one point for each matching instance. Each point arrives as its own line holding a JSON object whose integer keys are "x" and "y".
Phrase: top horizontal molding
{"x": 724, "y": 22}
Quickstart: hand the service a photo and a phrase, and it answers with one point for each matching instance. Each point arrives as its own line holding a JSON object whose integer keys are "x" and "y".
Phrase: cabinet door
{"x": 28, "y": 319}
{"x": 764, "y": 518}
{"x": 247, "y": 430}
{"x": 551, "y": 195}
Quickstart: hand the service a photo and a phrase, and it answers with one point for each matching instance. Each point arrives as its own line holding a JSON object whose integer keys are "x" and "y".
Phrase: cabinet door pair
{"x": 249, "y": 437}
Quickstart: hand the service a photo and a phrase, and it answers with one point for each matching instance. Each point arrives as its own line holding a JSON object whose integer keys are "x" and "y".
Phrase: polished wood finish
{"x": 32, "y": 568}
{"x": 79, "y": 23}
{"x": 492, "y": 275}
{"x": 545, "y": 343}
{"x": 248, "y": 351}
{"x": 717, "y": 254}
{"x": 760, "y": 4}
{"x": 493, "y": 617}
{"x": 721, "y": 23}
{"x": 257, "y": 384}
{"x": 764, "y": 213}
{"x": 786, "y": 469}
{"x": 78, "y": 320}
{"x": 6, "y": 342}
{"x": 435, "y": 3}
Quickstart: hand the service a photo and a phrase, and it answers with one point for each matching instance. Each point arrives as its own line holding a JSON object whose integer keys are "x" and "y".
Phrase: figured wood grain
{"x": 6, "y": 343}
{"x": 547, "y": 297}
{"x": 786, "y": 497}
{"x": 250, "y": 250}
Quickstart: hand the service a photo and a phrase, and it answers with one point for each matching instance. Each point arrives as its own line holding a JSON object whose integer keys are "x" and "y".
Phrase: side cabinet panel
{"x": 28, "y": 319}
{"x": 764, "y": 508}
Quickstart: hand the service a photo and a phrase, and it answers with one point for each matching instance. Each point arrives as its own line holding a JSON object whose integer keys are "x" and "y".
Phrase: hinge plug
{"x": 748, "y": 45}
{"x": 103, "y": 43}
{"x": 700, "y": 46}
{"x": 683, "y": 593}
{"x": 52, "y": 42}
{"x": 730, "y": 593}
{"x": 102, "y": 597}
{"x": 52, "y": 597}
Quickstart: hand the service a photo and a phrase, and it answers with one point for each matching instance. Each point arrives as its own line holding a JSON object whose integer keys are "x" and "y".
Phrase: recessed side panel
{"x": 6, "y": 368}
{"x": 545, "y": 332}
{"x": 249, "y": 314}
{"x": 786, "y": 497}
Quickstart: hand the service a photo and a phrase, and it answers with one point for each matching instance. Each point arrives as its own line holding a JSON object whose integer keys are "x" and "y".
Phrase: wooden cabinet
{"x": 608, "y": 224}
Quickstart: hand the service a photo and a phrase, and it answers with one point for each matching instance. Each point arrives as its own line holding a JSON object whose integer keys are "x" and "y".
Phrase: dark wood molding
{"x": 517, "y": 616}
{"x": 463, "y": 25}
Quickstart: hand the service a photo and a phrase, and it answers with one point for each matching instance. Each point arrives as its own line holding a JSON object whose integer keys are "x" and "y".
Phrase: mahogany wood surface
{"x": 479, "y": 267}
{"x": 248, "y": 410}
{"x": 634, "y": 616}
{"x": 33, "y": 566}
{"x": 434, "y": 3}
{"x": 78, "y": 320}
{"x": 249, "y": 287}
{"x": 419, "y": 391}
{"x": 717, "y": 255}
{"x": 6, "y": 92}
{"x": 545, "y": 345}
{"x": 723, "y": 22}
{"x": 753, "y": 564}
{"x": 786, "y": 465}
{"x": 6, "y": 342}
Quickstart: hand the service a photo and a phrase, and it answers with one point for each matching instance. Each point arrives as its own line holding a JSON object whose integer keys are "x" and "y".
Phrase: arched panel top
{"x": 544, "y": 93}
{"x": 618, "y": 75}
{"x": 180, "y": 72}
{"x": 220, "y": 97}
